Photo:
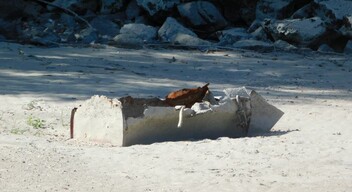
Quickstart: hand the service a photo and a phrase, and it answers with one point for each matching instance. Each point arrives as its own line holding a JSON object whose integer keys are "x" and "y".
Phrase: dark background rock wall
{"x": 323, "y": 25}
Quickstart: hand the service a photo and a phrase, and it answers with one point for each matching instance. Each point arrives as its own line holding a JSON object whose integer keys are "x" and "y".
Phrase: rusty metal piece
{"x": 186, "y": 97}
{"x": 73, "y": 111}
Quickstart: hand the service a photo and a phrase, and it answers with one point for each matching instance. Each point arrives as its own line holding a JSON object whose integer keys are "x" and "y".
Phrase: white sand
{"x": 310, "y": 149}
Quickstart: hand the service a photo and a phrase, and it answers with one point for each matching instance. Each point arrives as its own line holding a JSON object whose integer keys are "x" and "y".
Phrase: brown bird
{"x": 186, "y": 97}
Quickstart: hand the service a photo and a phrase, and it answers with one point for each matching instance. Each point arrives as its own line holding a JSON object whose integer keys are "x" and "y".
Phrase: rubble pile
{"x": 322, "y": 25}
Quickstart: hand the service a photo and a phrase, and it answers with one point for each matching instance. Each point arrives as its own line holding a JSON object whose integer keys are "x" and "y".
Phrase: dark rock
{"x": 135, "y": 35}
{"x": 118, "y": 18}
{"x": 173, "y": 32}
{"x": 105, "y": 26}
{"x": 68, "y": 36}
{"x": 111, "y": 6}
{"x": 142, "y": 20}
{"x": 230, "y": 36}
{"x": 325, "y": 48}
{"x": 87, "y": 36}
{"x": 260, "y": 34}
{"x": 336, "y": 9}
{"x": 2, "y": 38}
{"x": 15, "y": 9}
{"x": 284, "y": 45}
{"x": 332, "y": 12}
{"x": 346, "y": 29}
{"x": 11, "y": 9}
{"x": 155, "y": 6}
{"x": 32, "y": 9}
{"x": 348, "y": 21}
{"x": 63, "y": 3}
{"x": 348, "y": 48}
{"x": 301, "y": 32}
{"x": 67, "y": 20}
{"x": 88, "y": 5}
{"x": 202, "y": 15}
{"x": 239, "y": 12}
{"x": 89, "y": 15}
{"x": 335, "y": 16}
{"x": 278, "y": 9}
{"x": 49, "y": 40}
{"x": 10, "y": 29}
{"x": 306, "y": 11}
{"x": 25, "y": 34}
{"x": 335, "y": 40}
{"x": 254, "y": 26}
{"x": 132, "y": 10}
{"x": 253, "y": 45}
{"x": 78, "y": 6}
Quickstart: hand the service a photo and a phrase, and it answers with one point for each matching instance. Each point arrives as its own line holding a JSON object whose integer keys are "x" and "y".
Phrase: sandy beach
{"x": 309, "y": 149}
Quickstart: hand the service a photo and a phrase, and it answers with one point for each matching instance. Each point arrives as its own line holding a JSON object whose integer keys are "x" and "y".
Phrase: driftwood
{"x": 67, "y": 11}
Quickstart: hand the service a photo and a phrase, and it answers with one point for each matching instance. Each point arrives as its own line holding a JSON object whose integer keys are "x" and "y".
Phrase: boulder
{"x": 78, "y": 6}
{"x": 230, "y": 36}
{"x": 11, "y": 9}
{"x": 173, "y": 32}
{"x": 188, "y": 40}
{"x": 133, "y": 10}
{"x": 135, "y": 35}
{"x": 2, "y": 38}
{"x": 346, "y": 29}
{"x": 278, "y": 9}
{"x": 10, "y": 29}
{"x": 128, "y": 41}
{"x": 334, "y": 39}
{"x": 348, "y": 21}
{"x": 171, "y": 28}
{"x": 16, "y": 9}
{"x": 336, "y": 9}
{"x": 202, "y": 15}
{"x": 67, "y": 20}
{"x": 68, "y": 36}
{"x": 48, "y": 40}
{"x": 111, "y": 6}
{"x": 284, "y": 45}
{"x": 63, "y": 3}
{"x": 141, "y": 19}
{"x": 306, "y": 11}
{"x": 141, "y": 31}
{"x": 155, "y": 6}
{"x": 239, "y": 12}
{"x": 335, "y": 15}
{"x": 332, "y": 12}
{"x": 255, "y": 45}
{"x": 260, "y": 34}
{"x": 87, "y": 36}
{"x": 325, "y": 48}
{"x": 254, "y": 26}
{"x": 296, "y": 31}
{"x": 32, "y": 9}
{"x": 105, "y": 26}
{"x": 348, "y": 48}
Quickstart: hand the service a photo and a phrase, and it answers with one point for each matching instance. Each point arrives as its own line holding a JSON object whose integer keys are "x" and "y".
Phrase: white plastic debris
{"x": 130, "y": 121}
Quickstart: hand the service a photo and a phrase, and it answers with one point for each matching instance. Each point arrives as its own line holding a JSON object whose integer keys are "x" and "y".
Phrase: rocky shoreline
{"x": 256, "y": 24}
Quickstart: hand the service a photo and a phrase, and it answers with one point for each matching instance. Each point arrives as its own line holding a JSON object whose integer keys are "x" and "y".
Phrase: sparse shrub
{"x": 36, "y": 123}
